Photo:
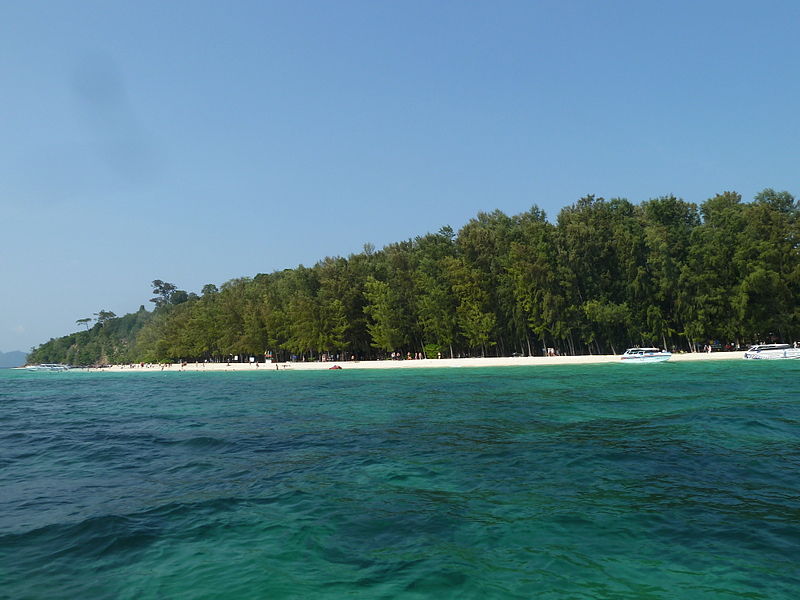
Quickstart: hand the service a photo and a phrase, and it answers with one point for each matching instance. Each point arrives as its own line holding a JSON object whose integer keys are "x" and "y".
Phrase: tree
{"x": 164, "y": 292}
{"x": 668, "y": 223}
{"x": 475, "y": 319}
{"x": 483, "y": 244}
{"x": 384, "y": 326}
{"x": 602, "y": 252}
{"x": 533, "y": 272}
{"x": 435, "y": 303}
{"x": 605, "y": 274}
{"x": 611, "y": 320}
{"x": 711, "y": 275}
{"x": 180, "y": 296}
{"x": 104, "y": 316}
{"x": 85, "y": 322}
{"x": 768, "y": 262}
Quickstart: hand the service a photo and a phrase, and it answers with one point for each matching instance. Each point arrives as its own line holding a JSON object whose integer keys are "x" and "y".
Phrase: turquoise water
{"x": 599, "y": 481}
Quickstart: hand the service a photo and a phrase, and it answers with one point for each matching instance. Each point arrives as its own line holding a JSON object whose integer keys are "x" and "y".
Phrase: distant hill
{"x": 12, "y": 359}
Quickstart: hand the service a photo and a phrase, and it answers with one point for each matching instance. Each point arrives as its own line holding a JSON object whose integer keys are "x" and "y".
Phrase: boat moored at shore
{"x": 645, "y": 355}
{"x": 48, "y": 367}
{"x": 771, "y": 352}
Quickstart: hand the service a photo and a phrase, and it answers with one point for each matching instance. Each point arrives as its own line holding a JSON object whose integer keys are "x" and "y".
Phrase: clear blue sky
{"x": 196, "y": 142}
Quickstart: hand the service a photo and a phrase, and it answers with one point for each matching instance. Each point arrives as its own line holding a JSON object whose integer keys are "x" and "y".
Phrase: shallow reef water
{"x": 596, "y": 481}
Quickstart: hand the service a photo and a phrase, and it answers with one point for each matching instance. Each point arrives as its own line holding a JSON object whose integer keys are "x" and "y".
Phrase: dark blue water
{"x": 602, "y": 481}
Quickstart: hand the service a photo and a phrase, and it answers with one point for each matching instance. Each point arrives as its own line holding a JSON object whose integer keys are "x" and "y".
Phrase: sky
{"x": 197, "y": 142}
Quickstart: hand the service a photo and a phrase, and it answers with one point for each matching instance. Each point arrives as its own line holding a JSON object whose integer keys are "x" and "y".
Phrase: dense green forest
{"x": 607, "y": 274}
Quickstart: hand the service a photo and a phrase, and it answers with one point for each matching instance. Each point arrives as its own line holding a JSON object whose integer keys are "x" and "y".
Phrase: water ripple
{"x": 579, "y": 482}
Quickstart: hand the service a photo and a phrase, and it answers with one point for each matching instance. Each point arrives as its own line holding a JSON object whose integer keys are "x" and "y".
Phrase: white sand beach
{"x": 532, "y": 361}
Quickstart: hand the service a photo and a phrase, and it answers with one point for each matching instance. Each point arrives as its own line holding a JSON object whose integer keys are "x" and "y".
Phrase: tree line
{"x": 607, "y": 274}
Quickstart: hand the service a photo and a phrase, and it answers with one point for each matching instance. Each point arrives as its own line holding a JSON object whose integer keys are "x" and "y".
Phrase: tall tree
{"x": 534, "y": 274}
{"x": 668, "y": 224}
{"x": 385, "y": 326}
{"x": 711, "y": 274}
{"x": 163, "y": 291}
{"x": 475, "y": 317}
{"x": 104, "y": 316}
{"x": 767, "y": 260}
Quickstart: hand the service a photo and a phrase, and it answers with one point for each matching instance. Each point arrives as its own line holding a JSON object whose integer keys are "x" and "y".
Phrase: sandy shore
{"x": 533, "y": 361}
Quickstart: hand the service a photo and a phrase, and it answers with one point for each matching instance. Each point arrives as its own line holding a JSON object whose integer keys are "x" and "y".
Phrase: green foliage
{"x": 607, "y": 274}
{"x": 104, "y": 316}
{"x": 385, "y": 326}
{"x": 473, "y": 309}
{"x": 111, "y": 340}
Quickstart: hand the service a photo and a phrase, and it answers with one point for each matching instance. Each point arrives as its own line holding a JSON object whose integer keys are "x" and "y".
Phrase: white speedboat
{"x": 771, "y": 352}
{"x": 48, "y": 367}
{"x": 645, "y": 355}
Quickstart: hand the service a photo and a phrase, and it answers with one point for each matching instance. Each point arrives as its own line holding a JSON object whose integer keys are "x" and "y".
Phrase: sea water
{"x": 674, "y": 480}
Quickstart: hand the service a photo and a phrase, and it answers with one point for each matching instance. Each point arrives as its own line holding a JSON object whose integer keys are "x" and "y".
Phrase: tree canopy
{"x": 606, "y": 274}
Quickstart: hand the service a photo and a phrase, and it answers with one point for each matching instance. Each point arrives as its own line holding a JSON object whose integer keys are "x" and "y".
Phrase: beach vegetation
{"x": 602, "y": 276}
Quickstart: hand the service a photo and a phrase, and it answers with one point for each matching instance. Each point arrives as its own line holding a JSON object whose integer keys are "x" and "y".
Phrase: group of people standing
{"x": 409, "y": 356}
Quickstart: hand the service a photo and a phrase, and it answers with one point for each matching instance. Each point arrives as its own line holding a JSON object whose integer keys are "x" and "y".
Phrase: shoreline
{"x": 426, "y": 363}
